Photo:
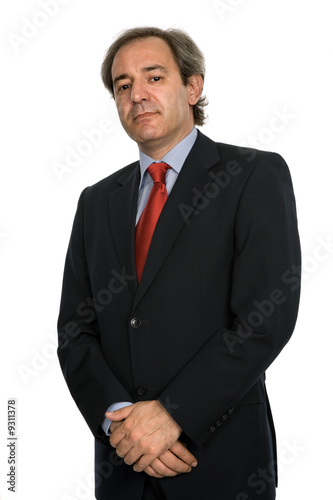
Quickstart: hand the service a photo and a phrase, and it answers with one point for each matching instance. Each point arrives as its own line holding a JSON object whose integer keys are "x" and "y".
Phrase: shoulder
{"x": 258, "y": 175}
{"x": 244, "y": 165}
{"x": 250, "y": 157}
{"x": 253, "y": 163}
{"x": 245, "y": 157}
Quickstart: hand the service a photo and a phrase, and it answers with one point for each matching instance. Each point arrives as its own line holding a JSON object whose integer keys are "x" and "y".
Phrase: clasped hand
{"x": 145, "y": 434}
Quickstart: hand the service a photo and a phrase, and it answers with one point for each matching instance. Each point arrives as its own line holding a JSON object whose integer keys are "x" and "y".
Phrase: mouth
{"x": 144, "y": 115}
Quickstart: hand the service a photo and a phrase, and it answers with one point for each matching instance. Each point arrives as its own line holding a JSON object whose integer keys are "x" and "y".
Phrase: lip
{"x": 144, "y": 115}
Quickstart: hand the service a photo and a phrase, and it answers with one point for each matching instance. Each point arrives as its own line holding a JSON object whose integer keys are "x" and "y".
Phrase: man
{"x": 178, "y": 292}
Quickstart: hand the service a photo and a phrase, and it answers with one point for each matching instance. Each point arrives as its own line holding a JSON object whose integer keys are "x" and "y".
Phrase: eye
{"x": 156, "y": 78}
{"x": 123, "y": 87}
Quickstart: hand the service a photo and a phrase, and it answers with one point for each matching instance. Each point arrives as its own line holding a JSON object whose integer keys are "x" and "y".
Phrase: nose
{"x": 139, "y": 92}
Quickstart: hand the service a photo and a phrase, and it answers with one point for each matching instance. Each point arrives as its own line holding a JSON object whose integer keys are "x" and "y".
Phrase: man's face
{"x": 153, "y": 103}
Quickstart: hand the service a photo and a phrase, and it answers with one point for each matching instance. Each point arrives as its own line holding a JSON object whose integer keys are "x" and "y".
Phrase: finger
{"x": 143, "y": 462}
{"x": 125, "y": 449}
{"x": 132, "y": 456}
{"x": 120, "y": 414}
{"x": 116, "y": 436}
{"x": 150, "y": 471}
{"x": 158, "y": 468}
{"x": 183, "y": 453}
{"x": 167, "y": 462}
{"x": 114, "y": 426}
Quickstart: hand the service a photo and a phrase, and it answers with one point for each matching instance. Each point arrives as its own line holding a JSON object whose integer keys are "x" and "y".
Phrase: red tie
{"x": 149, "y": 217}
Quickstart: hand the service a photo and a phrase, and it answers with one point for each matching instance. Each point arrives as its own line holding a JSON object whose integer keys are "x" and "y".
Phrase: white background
{"x": 263, "y": 57}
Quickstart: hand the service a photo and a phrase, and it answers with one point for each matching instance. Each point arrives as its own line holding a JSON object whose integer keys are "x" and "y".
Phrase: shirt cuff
{"x": 115, "y": 406}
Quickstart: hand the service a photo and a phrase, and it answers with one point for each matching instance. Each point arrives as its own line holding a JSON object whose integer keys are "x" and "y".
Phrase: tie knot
{"x": 157, "y": 171}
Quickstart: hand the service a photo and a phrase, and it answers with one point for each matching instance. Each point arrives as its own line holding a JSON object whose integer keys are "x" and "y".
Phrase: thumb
{"x": 120, "y": 414}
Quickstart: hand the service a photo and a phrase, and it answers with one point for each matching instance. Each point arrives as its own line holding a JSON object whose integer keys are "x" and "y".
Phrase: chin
{"x": 147, "y": 135}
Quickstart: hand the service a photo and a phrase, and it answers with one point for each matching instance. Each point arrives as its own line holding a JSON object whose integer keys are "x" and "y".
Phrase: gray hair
{"x": 186, "y": 53}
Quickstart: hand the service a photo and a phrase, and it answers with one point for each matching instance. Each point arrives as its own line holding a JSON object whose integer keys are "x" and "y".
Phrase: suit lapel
{"x": 122, "y": 214}
{"x": 179, "y": 207}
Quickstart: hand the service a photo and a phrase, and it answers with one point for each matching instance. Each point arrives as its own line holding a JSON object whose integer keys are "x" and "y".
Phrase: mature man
{"x": 178, "y": 291}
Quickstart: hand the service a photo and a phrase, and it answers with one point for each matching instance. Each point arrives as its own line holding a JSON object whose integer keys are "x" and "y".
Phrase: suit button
{"x": 212, "y": 428}
{"x": 224, "y": 417}
{"x": 230, "y": 411}
{"x": 141, "y": 391}
{"x": 135, "y": 322}
{"x": 218, "y": 423}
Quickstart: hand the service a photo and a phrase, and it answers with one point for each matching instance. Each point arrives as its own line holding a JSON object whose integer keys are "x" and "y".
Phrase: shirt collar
{"x": 175, "y": 157}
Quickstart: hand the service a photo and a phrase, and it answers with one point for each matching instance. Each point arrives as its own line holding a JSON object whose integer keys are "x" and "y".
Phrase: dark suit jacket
{"x": 217, "y": 302}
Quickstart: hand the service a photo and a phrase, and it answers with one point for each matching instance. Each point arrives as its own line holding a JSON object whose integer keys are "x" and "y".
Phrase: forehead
{"x": 143, "y": 53}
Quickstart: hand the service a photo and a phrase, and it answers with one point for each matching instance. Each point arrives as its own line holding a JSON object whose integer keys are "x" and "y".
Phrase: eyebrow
{"x": 156, "y": 66}
{"x": 143, "y": 70}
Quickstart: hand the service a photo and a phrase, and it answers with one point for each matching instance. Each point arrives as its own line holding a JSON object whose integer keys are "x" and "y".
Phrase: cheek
{"x": 120, "y": 108}
{"x": 180, "y": 100}
{"x": 123, "y": 113}
{"x": 175, "y": 103}
{"x": 122, "y": 104}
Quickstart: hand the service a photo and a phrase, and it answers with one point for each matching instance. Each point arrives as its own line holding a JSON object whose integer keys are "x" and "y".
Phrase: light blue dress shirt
{"x": 176, "y": 159}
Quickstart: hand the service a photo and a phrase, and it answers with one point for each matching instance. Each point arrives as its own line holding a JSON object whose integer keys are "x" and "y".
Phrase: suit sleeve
{"x": 263, "y": 302}
{"x": 88, "y": 376}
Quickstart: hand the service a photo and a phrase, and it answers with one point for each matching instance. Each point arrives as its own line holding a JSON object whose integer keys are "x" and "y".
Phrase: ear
{"x": 194, "y": 88}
